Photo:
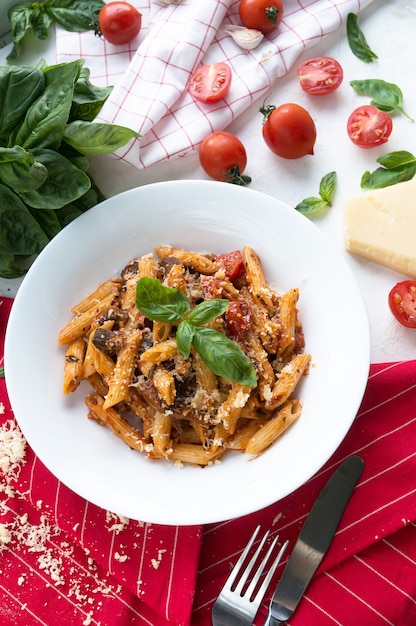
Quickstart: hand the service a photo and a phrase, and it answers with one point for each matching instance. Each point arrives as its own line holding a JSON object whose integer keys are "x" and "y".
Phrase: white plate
{"x": 201, "y": 216}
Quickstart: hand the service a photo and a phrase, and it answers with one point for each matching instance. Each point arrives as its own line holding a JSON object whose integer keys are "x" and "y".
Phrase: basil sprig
{"x": 396, "y": 167}
{"x": 73, "y": 15}
{"x": 385, "y": 96}
{"x": 221, "y": 355}
{"x": 310, "y": 206}
{"x": 357, "y": 41}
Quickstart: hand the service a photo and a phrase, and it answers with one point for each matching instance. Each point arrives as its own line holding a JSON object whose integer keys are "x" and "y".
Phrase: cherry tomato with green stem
{"x": 288, "y": 130}
{"x": 320, "y": 75}
{"x": 262, "y": 15}
{"x": 402, "y": 303}
{"x": 210, "y": 83}
{"x": 369, "y": 127}
{"x": 223, "y": 157}
{"x": 119, "y": 22}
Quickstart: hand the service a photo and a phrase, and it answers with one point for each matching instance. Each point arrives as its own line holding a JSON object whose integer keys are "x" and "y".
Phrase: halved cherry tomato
{"x": 223, "y": 157}
{"x": 119, "y": 22}
{"x": 210, "y": 83}
{"x": 262, "y": 15}
{"x": 402, "y": 302}
{"x": 369, "y": 127}
{"x": 237, "y": 317}
{"x": 232, "y": 263}
{"x": 320, "y": 75}
{"x": 288, "y": 130}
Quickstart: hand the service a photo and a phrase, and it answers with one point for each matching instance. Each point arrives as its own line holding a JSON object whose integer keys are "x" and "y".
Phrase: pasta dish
{"x": 189, "y": 355}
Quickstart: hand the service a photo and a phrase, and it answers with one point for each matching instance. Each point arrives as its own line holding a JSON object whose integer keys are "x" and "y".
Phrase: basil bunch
{"x": 46, "y": 137}
{"x": 222, "y": 356}
{"x": 73, "y": 15}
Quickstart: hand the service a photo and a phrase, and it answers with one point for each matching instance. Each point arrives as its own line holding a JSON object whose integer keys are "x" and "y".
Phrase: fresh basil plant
{"x": 47, "y": 136}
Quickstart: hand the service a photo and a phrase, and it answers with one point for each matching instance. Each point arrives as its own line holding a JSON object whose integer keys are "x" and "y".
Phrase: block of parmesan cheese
{"x": 380, "y": 225}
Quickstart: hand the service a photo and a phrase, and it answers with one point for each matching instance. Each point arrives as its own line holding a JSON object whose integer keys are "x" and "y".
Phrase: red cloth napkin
{"x": 62, "y": 558}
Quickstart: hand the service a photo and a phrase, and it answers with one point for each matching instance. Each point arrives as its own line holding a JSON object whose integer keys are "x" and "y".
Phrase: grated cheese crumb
{"x": 12, "y": 450}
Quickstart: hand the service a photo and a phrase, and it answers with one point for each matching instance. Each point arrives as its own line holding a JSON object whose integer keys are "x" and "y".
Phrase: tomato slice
{"x": 320, "y": 75}
{"x": 237, "y": 317}
{"x": 232, "y": 263}
{"x": 369, "y": 127}
{"x": 402, "y": 303}
{"x": 210, "y": 83}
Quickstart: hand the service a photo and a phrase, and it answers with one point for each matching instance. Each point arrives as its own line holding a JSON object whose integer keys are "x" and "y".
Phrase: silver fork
{"x": 236, "y": 606}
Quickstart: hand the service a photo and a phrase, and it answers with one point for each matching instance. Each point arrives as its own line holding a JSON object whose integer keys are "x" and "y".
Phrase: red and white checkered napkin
{"x": 150, "y": 82}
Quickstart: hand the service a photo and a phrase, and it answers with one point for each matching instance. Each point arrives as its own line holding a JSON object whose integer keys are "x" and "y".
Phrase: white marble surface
{"x": 390, "y": 28}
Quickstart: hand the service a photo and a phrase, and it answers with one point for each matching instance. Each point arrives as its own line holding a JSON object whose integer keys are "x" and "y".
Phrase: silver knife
{"x": 314, "y": 540}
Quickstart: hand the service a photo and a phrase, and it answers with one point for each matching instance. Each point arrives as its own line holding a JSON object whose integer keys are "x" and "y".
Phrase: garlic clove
{"x": 246, "y": 38}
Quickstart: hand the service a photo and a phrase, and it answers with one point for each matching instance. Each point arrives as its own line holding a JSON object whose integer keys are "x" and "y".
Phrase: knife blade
{"x": 314, "y": 540}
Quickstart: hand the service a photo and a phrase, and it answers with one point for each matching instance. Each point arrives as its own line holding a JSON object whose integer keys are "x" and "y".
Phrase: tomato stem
{"x": 235, "y": 177}
{"x": 266, "y": 110}
{"x": 271, "y": 14}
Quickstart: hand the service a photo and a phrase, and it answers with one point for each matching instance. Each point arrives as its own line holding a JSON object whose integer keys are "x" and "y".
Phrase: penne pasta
{"x": 160, "y": 395}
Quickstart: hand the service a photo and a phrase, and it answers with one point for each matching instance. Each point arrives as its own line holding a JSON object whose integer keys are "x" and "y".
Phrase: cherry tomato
{"x": 237, "y": 317}
{"x": 402, "y": 302}
{"x": 369, "y": 127}
{"x": 224, "y": 157}
{"x": 262, "y": 15}
{"x": 288, "y": 130}
{"x": 320, "y": 75}
{"x": 210, "y": 83}
{"x": 119, "y": 22}
{"x": 232, "y": 263}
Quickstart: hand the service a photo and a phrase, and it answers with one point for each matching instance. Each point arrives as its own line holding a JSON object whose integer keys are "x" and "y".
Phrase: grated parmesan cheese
{"x": 12, "y": 449}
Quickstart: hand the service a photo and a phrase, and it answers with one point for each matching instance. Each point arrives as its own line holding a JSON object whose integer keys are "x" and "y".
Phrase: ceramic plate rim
{"x": 141, "y": 489}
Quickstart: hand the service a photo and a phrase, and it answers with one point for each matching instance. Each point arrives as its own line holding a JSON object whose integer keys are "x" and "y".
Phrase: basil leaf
{"x": 88, "y": 99}
{"x": 385, "y": 96}
{"x": 19, "y": 87}
{"x": 207, "y": 311}
{"x": 223, "y": 357}
{"x": 184, "y": 335}
{"x": 64, "y": 183}
{"x": 25, "y": 17}
{"x": 310, "y": 206}
{"x": 327, "y": 187}
{"x": 74, "y": 15}
{"x": 395, "y": 159}
{"x": 397, "y": 167}
{"x": 93, "y": 138}
{"x": 46, "y": 119}
{"x": 48, "y": 221}
{"x": 357, "y": 41}
{"x": 20, "y": 171}
{"x": 160, "y": 303}
{"x": 20, "y": 233}
{"x": 9, "y": 268}
{"x": 382, "y": 177}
